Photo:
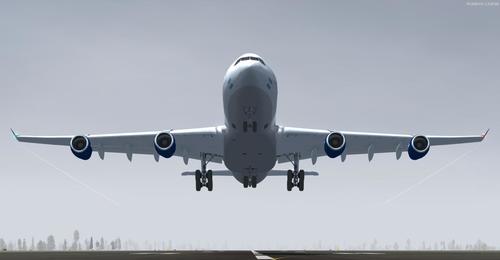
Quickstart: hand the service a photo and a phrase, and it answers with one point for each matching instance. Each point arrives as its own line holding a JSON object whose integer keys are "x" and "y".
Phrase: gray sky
{"x": 426, "y": 67}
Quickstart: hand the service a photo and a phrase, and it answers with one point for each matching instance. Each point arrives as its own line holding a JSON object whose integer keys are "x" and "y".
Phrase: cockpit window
{"x": 249, "y": 58}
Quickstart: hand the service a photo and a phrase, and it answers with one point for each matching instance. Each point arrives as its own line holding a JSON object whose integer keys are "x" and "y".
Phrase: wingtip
{"x": 485, "y": 133}
{"x": 14, "y": 134}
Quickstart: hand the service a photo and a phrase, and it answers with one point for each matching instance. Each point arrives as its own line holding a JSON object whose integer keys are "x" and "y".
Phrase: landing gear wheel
{"x": 301, "y": 180}
{"x": 245, "y": 181}
{"x": 289, "y": 184}
{"x": 210, "y": 183}
{"x": 197, "y": 177}
{"x": 254, "y": 181}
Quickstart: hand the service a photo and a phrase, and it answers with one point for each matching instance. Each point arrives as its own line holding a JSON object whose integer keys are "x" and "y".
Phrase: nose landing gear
{"x": 250, "y": 182}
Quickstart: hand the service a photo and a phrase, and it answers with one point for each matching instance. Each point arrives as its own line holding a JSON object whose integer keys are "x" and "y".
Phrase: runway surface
{"x": 351, "y": 255}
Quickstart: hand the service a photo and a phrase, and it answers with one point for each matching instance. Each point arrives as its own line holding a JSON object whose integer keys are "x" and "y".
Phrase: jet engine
{"x": 165, "y": 144}
{"x": 80, "y": 146}
{"x": 334, "y": 144}
{"x": 418, "y": 147}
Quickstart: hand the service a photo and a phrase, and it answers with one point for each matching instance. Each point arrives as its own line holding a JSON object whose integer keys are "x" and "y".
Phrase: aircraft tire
{"x": 210, "y": 182}
{"x": 289, "y": 177}
{"x": 197, "y": 177}
{"x": 245, "y": 181}
{"x": 301, "y": 180}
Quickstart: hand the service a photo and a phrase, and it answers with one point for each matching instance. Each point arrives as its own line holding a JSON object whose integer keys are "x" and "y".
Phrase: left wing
{"x": 310, "y": 143}
{"x": 189, "y": 143}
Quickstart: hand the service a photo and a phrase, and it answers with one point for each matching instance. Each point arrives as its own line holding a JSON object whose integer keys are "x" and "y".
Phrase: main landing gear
{"x": 249, "y": 182}
{"x": 295, "y": 178}
{"x": 203, "y": 178}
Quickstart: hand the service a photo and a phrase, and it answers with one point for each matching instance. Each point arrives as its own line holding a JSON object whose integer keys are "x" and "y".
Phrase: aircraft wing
{"x": 309, "y": 143}
{"x": 190, "y": 143}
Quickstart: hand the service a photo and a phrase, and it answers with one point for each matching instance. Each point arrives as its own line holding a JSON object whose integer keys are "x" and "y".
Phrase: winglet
{"x": 14, "y": 133}
{"x": 484, "y": 134}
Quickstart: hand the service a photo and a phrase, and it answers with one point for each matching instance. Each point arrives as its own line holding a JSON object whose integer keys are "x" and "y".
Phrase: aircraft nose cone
{"x": 251, "y": 74}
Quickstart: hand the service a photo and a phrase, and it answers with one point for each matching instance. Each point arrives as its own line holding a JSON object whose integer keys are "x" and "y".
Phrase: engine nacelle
{"x": 334, "y": 144}
{"x": 164, "y": 143}
{"x": 80, "y": 146}
{"x": 418, "y": 147}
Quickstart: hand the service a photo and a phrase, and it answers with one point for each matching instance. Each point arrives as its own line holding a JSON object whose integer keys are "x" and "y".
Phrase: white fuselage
{"x": 249, "y": 96}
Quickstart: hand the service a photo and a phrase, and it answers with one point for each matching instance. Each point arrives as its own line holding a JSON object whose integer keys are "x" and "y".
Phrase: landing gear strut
{"x": 203, "y": 177}
{"x": 295, "y": 177}
{"x": 250, "y": 182}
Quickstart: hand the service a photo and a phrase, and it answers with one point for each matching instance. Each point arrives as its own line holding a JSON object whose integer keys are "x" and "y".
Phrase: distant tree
{"x": 102, "y": 243}
{"x": 24, "y": 244}
{"x": 41, "y": 246}
{"x": 32, "y": 247}
{"x": 396, "y": 246}
{"x": 119, "y": 243}
{"x": 97, "y": 245}
{"x": 451, "y": 245}
{"x": 480, "y": 245}
{"x": 3, "y": 245}
{"x": 76, "y": 238}
{"x": 51, "y": 243}
{"x": 408, "y": 244}
{"x": 65, "y": 245}
{"x": 19, "y": 244}
{"x": 91, "y": 247}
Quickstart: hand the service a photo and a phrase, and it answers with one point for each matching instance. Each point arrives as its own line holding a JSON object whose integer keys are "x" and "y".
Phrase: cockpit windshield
{"x": 249, "y": 58}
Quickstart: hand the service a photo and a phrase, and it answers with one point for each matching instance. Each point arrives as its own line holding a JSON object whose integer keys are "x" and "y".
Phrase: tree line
{"x": 79, "y": 244}
{"x": 49, "y": 244}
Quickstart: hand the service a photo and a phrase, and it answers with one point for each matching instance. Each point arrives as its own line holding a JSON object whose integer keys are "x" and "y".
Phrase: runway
{"x": 345, "y": 255}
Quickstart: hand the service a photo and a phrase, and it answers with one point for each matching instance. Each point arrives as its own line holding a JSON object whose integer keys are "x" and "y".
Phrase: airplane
{"x": 250, "y": 143}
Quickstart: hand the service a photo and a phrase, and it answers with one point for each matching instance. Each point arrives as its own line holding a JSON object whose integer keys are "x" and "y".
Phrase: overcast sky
{"x": 83, "y": 67}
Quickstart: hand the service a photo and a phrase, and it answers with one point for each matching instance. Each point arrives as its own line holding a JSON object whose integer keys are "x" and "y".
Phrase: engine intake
{"x": 418, "y": 147}
{"x": 80, "y": 146}
{"x": 334, "y": 144}
{"x": 164, "y": 143}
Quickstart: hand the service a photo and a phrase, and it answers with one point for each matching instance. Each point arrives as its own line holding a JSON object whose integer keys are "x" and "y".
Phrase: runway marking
{"x": 358, "y": 253}
{"x": 73, "y": 178}
{"x": 261, "y": 256}
{"x": 154, "y": 253}
{"x": 426, "y": 178}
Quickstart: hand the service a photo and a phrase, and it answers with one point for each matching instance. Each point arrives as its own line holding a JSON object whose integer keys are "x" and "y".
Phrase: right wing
{"x": 190, "y": 143}
{"x": 309, "y": 143}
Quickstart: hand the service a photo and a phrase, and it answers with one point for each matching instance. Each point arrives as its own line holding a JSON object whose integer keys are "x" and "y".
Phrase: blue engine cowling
{"x": 164, "y": 143}
{"x": 334, "y": 144}
{"x": 80, "y": 146}
{"x": 418, "y": 147}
